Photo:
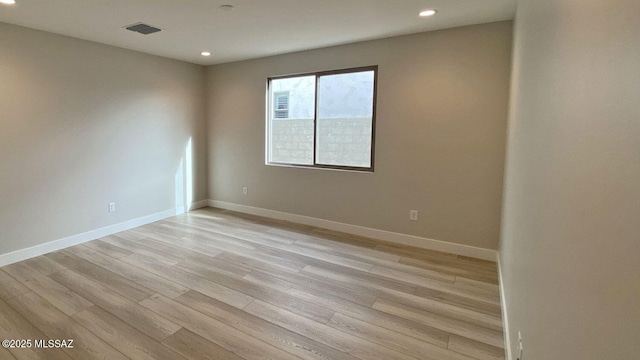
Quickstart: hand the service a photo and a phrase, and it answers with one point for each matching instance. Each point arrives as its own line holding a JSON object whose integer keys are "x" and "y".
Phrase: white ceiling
{"x": 255, "y": 28}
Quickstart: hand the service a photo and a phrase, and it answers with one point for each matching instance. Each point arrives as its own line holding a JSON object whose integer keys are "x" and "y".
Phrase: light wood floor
{"x": 218, "y": 285}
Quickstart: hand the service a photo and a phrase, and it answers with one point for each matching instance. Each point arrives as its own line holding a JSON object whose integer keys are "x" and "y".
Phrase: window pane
{"x": 345, "y": 113}
{"x": 291, "y": 120}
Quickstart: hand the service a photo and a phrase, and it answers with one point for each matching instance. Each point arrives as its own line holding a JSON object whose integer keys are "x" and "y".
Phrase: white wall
{"x": 301, "y": 92}
{"x": 570, "y": 247}
{"x": 440, "y": 140}
{"x": 84, "y": 124}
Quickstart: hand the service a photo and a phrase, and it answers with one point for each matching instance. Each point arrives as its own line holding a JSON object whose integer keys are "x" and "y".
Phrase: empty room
{"x": 338, "y": 179}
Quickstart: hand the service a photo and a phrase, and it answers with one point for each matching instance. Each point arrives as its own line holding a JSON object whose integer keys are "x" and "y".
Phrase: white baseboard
{"x": 503, "y": 306}
{"x": 404, "y": 239}
{"x": 191, "y": 207}
{"x": 198, "y": 205}
{"x": 37, "y": 250}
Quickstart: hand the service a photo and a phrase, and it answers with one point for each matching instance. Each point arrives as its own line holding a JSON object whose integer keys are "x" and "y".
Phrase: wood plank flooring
{"x": 214, "y": 284}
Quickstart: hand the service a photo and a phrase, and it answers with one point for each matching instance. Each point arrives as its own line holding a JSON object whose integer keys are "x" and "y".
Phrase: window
{"x": 324, "y": 119}
{"x": 281, "y": 105}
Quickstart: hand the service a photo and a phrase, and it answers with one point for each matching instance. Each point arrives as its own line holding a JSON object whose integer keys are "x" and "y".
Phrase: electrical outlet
{"x": 520, "y": 347}
{"x": 413, "y": 215}
{"x": 112, "y": 207}
{"x": 245, "y": 190}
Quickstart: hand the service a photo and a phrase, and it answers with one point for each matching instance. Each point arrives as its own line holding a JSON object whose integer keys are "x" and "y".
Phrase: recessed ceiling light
{"x": 226, "y": 7}
{"x": 8, "y": 2}
{"x": 205, "y": 53}
{"x": 429, "y": 12}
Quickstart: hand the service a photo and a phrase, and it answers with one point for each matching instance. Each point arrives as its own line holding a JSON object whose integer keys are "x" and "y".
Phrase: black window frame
{"x": 317, "y": 75}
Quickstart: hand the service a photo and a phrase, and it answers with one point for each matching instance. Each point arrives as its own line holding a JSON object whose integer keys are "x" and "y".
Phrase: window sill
{"x": 324, "y": 167}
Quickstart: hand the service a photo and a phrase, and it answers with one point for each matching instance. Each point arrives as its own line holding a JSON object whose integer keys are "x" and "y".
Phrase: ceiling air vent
{"x": 143, "y": 29}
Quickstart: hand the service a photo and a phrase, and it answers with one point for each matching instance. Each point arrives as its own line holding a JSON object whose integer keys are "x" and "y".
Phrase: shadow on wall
{"x": 184, "y": 181}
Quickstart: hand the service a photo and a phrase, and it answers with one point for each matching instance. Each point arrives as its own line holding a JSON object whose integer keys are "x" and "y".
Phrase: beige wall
{"x": 441, "y": 130}
{"x": 84, "y": 124}
{"x": 570, "y": 248}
